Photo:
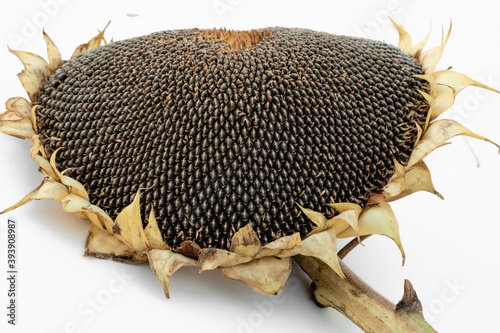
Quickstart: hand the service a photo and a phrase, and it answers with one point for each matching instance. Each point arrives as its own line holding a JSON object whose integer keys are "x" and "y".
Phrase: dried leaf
{"x": 430, "y": 101}
{"x": 419, "y": 136}
{"x": 153, "y": 234}
{"x": 22, "y": 128}
{"x": 36, "y": 70}
{"x": 52, "y": 161}
{"x": 345, "y": 220}
{"x": 265, "y": 275}
{"x": 9, "y": 116}
{"x": 31, "y": 84}
{"x": 45, "y": 166}
{"x": 436, "y": 135}
{"x": 443, "y": 100}
{"x": 76, "y": 204}
{"x": 128, "y": 226}
{"x": 394, "y": 186}
{"x": 93, "y": 43}
{"x": 245, "y": 241}
{"x": 316, "y": 217}
{"x": 282, "y": 247}
{"x": 33, "y": 64}
{"x": 418, "y": 178}
{"x": 164, "y": 263}
{"x": 75, "y": 187}
{"x": 47, "y": 190}
{"x": 457, "y": 81}
{"x": 55, "y": 60}
{"x": 36, "y": 148}
{"x": 345, "y": 206}
{"x": 211, "y": 258}
{"x": 405, "y": 43}
{"x": 323, "y": 246}
{"x": 430, "y": 58}
{"x": 417, "y": 49}
{"x": 17, "y": 108}
{"x": 448, "y": 85}
{"x": 348, "y": 217}
{"x": 103, "y": 245}
{"x": 377, "y": 220}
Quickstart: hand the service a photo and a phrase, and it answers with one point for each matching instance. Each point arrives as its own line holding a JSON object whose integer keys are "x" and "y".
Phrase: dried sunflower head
{"x": 234, "y": 150}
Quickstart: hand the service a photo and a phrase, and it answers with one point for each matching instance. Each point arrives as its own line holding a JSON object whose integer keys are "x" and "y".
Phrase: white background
{"x": 451, "y": 245}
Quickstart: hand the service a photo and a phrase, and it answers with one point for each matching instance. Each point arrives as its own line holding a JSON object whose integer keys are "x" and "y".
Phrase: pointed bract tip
{"x": 409, "y": 303}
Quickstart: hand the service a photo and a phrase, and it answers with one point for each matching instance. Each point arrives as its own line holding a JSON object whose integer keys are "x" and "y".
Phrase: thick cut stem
{"x": 361, "y": 304}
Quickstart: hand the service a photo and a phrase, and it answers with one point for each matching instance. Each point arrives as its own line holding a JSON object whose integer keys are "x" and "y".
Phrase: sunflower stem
{"x": 366, "y": 308}
{"x": 350, "y": 246}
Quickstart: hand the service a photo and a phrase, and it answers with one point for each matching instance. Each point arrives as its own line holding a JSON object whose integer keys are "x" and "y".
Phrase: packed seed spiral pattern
{"x": 217, "y": 136}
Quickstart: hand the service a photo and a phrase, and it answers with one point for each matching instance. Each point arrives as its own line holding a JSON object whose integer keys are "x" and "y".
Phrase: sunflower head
{"x": 234, "y": 150}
